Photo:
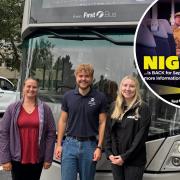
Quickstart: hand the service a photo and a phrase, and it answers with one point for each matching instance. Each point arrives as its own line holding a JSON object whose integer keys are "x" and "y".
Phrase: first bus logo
{"x": 98, "y": 14}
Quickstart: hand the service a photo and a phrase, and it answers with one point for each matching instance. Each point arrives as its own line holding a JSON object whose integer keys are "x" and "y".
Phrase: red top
{"x": 29, "y": 130}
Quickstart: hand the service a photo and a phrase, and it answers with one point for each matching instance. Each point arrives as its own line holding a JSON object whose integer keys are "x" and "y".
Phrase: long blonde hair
{"x": 119, "y": 109}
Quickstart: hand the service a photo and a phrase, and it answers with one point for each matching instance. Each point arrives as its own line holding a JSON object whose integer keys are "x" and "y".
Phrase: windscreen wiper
{"x": 73, "y": 37}
{"x": 98, "y": 36}
{"x": 122, "y": 43}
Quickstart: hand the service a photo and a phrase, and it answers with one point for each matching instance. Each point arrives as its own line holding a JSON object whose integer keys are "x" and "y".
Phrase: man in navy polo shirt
{"x": 83, "y": 117}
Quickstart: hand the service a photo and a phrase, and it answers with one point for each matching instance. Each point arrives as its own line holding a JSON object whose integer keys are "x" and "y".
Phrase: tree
{"x": 64, "y": 67}
{"x": 43, "y": 59}
{"x": 11, "y": 12}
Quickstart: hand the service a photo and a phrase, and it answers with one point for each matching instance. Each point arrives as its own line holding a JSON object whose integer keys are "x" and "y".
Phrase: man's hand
{"x": 178, "y": 51}
{"x": 58, "y": 152}
{"x": 97, "y": 154}
{"x": 7, "y": 166}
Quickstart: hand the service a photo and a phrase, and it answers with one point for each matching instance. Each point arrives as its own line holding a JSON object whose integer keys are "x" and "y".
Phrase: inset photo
{"x": 157, "y": 50}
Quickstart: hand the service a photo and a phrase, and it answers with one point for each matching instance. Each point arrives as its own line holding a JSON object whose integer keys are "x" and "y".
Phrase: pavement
{"x": 5, "y": 175}
{"x": 46, "y": 174}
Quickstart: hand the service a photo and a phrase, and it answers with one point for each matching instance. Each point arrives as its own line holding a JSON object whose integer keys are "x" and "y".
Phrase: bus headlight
{"x": 172, "y": 161}
{"x": 178, "y": 148}
{"x": 176, "y": 161}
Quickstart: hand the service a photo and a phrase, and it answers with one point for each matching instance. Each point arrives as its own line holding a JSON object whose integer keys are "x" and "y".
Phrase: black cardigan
{"x": 127, "y": 137}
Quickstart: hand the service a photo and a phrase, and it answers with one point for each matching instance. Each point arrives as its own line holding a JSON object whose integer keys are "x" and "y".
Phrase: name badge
{"x": 132, "y": 117}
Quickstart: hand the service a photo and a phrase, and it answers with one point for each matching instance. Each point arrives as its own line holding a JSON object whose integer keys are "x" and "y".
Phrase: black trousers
{"x": 127, "y": 172}
{"x": 26, "y": 171}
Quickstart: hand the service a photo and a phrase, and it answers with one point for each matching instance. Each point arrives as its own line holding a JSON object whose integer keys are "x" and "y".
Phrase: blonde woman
{"x": 126, "y": 132}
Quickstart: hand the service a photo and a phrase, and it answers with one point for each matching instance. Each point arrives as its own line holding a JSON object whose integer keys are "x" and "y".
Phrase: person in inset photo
{"x": 176, "y": 32}
{"x": 126, "y": 132}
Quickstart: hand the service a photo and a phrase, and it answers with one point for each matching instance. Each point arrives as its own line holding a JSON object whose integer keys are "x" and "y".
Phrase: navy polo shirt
{"x": 83, "y": 112}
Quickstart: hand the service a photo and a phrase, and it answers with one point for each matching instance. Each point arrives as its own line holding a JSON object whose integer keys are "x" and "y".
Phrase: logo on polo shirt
{"x": 92, "y": 102}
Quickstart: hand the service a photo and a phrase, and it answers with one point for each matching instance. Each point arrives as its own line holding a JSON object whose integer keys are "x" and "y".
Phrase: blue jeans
{"x": 77, "y": 158}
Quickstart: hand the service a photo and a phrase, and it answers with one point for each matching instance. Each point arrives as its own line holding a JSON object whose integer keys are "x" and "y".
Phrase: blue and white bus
{"x": 60, "y": 34}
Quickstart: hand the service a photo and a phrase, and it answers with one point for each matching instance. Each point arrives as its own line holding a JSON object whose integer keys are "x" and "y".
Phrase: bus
{"x": 60, "y": 34}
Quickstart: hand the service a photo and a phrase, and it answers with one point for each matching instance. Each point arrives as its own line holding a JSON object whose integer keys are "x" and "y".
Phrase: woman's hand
{"x": 111, "y": 157}
{"x": 7, "y": 166}
{"x": 46, "y": 165}
{"x": 116, "y": 160}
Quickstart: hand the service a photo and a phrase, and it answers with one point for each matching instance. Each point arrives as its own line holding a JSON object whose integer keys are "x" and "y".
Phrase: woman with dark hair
{"x": 126, "y": 132}
{"x": 28, "y": 133}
